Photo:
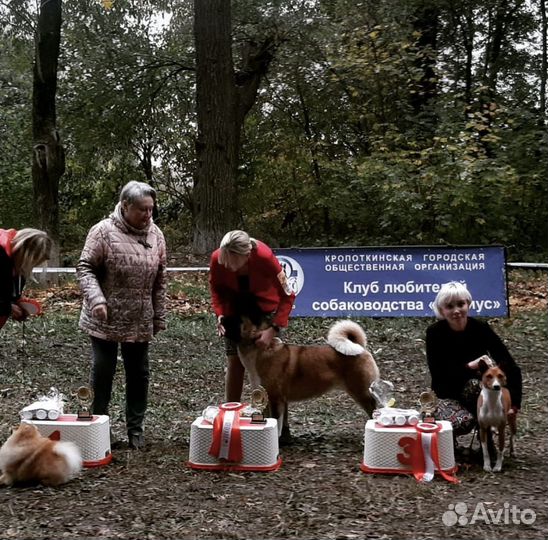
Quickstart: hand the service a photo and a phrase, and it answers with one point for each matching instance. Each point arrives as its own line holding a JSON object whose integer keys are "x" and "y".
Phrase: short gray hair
{"x": 238, "y": 242}
{"x": 453, "y": 290}
{"x": 134, "y": 191}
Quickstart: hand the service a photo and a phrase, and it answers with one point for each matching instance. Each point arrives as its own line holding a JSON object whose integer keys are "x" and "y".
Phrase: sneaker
{"x": 136, "y": 441}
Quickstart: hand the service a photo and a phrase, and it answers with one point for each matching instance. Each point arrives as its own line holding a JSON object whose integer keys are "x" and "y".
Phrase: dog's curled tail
{"x": 72, "y": 456}
{"x": 347, "y": 337}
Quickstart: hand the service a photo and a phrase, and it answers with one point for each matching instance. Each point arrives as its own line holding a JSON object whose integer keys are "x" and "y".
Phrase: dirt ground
{"x": 319, "y": 491}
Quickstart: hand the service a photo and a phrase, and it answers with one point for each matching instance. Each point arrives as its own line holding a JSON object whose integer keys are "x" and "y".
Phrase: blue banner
{"x": 392, "y": 282}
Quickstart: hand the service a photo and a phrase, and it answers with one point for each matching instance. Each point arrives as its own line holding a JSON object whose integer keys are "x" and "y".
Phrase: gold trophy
{"x": 259, "y": 402}
{"x": 84, "y": 394}
{"x": 428, "y": 402}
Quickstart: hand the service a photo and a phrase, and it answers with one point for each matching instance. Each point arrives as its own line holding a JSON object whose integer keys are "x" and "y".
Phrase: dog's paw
{"x": 4, "y": 480}
{"x": 487, "y": 467}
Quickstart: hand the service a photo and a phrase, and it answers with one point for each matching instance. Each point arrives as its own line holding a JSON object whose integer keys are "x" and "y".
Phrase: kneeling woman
{"x": 452, "y": 345}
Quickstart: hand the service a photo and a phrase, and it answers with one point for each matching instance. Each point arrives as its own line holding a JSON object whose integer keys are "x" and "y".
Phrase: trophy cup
{"x": 259, "y": 402}
{"x": 428, "y": 402}
{"x": 84, "y": 394}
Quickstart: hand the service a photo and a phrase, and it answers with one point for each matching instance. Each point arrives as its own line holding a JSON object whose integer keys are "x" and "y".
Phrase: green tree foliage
{"x": 376, "y": 123}
{"x": 341, "y": 132}
{"x": 15, "y": 121}
{"x": 129, "y": 108}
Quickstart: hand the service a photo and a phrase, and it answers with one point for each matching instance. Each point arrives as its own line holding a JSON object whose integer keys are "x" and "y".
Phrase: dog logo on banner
{"x": 226, "y": 443}
{"x": 294, "y": 275}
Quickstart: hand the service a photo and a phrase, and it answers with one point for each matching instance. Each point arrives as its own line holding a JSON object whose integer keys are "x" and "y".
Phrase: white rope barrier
{"x": 69, "y": 270}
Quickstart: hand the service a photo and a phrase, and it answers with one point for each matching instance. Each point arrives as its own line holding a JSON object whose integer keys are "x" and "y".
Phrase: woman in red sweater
{"x": 243, "y": 267}
{"x": 20, "y": 251}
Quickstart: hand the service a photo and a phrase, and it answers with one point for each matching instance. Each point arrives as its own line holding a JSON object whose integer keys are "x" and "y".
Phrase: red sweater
{"x": 10, "y": 284}
{"x": 266, "y": 282}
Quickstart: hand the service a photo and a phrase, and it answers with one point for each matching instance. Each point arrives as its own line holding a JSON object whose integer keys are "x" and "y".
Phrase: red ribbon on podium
{"x": 226, "y": 443}
{"x": 423, "y": 453}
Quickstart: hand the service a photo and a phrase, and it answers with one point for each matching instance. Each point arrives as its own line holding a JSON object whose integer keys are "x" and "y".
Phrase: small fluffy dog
{"x": 28, "y": 457}
{"x": 493, "y": 405}
{"x": 299, "y": 372}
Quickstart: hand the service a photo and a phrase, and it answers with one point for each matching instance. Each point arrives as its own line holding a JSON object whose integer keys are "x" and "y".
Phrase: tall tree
{"x": 48, "y": 157}
{"x": 544, "y": 61}
{"x": 425, "y": 25}
{"x": 223, "y": 99}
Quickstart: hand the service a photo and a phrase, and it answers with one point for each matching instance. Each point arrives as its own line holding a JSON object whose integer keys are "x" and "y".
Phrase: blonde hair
{"x": 30, "y": 247}
{"x": 449, "y": 292}
{"x": 238, "y": 242}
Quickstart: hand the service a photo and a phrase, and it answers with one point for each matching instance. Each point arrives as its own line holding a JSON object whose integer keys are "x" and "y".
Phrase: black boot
{"x": 285, "y": 438}
{"x": 136, "y": 441}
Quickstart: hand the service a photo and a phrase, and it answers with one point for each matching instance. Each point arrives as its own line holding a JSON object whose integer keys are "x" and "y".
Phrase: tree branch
{"x": 257, "y": 58}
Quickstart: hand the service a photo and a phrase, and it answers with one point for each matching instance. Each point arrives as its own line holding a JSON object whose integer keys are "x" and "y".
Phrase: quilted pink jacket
{"x": 123, "y": 267}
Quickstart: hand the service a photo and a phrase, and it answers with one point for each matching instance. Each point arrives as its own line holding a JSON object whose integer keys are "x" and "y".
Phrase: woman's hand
{"x": 158, "y": 326}
{"x": 100, "y": 312}
{"x": 265, "y": 337}
{"x": 18, "y": 313}
{"x": 474, "y": 364}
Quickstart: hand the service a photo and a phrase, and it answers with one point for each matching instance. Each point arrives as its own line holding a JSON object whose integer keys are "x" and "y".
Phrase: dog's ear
{"x": 247, "y": 328}
{"x": 482, "y": 366}
{"x": 248, "y": 306}
{"x": 502, "y": 378}
{"x": 232, "y": 327}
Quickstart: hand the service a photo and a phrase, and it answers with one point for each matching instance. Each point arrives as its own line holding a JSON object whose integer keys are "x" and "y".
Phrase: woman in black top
{"x": 453, "y": 344}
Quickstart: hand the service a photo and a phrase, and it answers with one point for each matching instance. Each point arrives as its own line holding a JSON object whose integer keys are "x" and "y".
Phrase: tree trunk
{"x": 497, "y": 35}
{"x": 462, "y": 19}
{"x": 316, "y": 171}
{"x": 218, "y": 132}
{"x": 468, "y": 33}
{"x": 499, "y": 22}
{"x": 544, "y": 63}
{"x": 223, "y": 98}
{"x": 426, "y": 24}
{"x": 48, "y": 158}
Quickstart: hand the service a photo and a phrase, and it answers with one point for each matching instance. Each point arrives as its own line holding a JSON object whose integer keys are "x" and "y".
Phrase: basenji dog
{"x": 493, "y": 406}
{"x": 300, "y": 372}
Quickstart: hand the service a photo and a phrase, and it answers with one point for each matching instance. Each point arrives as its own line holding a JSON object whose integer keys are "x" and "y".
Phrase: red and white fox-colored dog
{"x": 298, "y": 372}
{"x": 493, "y": 407}
{"x": 28, "y": 457}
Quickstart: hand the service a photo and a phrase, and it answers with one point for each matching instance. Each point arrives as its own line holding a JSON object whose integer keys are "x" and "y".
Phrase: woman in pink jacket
{"x": 122, "y": 275}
